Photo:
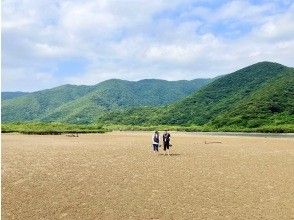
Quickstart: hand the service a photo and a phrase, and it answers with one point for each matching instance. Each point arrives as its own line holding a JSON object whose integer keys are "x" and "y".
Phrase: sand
{"x": 117, "y": 176}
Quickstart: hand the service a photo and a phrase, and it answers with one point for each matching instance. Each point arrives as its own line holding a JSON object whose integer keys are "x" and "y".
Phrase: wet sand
{"x": 117, "y": 176}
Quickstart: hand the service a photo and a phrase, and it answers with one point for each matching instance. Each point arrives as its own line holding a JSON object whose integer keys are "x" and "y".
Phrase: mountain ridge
{"x": 215, "y": 103}
{"x": 255, "y": 96}
{"x": 70, "y": 101}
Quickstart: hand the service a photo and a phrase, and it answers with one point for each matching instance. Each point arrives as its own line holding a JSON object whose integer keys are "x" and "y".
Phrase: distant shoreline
{"x": 222, "y": 133}
{"x": 189, "y": 133}
{"x": 249, "y": 134}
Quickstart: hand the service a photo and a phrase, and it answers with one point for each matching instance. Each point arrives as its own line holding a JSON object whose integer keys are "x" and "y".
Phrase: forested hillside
{"x": 259, "y": 95}
{"x": 11, "y": 95}
{"x": 83, "y": 104}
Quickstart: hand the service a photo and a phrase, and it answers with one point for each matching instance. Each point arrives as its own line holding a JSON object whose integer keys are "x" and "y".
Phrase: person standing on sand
{"x": 166, "y": 140}
{"x": 155, "y": 141}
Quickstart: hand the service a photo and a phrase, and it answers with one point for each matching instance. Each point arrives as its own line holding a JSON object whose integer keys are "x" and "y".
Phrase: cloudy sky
{"x": 46, "y": 43}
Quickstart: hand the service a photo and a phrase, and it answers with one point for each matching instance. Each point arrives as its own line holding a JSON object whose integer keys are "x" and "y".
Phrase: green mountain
{"x": 259, "y": 95}
{"x": 84, "y": 104}
{"x": 12, "y": 95}
{"x": 272, "y": 104}
{"x": 35, "y": 105}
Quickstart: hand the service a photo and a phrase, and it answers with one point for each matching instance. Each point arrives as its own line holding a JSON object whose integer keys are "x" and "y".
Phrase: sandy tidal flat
{"x": 116, "y": 176}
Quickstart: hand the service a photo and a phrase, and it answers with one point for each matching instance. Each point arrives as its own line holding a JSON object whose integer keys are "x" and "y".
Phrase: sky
{"x": 47, "y": 43}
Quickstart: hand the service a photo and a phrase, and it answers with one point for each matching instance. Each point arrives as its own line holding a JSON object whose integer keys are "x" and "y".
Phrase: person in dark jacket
{"x": 155, "y": 141}
{"x": 166, "y": 142}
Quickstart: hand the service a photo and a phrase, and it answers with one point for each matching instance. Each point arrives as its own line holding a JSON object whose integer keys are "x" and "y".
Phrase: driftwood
{"x": 72, "y": 135}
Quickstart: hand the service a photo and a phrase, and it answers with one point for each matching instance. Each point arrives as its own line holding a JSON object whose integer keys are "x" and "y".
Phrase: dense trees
{"x": 255, "y": 96}
{"x": 83, "y": 104}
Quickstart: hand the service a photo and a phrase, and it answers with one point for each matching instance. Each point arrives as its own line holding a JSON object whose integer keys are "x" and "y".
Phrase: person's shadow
{"x": 173, "y": 154}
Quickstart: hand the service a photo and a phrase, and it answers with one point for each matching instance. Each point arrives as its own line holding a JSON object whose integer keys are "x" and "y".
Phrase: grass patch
{"x": 61, "y": 128}
{"x": 50, "y": 128}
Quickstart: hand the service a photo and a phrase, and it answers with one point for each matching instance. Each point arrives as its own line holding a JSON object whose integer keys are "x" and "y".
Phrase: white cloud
{"x": 47, "y": 51}
{"x": 184, "y": 52}
{"x": 280, "y": 27}
{"x": 26, "y": 79}
{"x": 243, "y": 10}
{"x": 139, "y": 39}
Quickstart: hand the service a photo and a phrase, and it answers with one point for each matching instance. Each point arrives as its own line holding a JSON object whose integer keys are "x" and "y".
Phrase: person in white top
{"x": 155, "y": 141}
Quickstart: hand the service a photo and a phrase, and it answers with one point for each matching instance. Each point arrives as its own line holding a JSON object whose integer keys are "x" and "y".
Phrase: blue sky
{"x": 46, "y": 43}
